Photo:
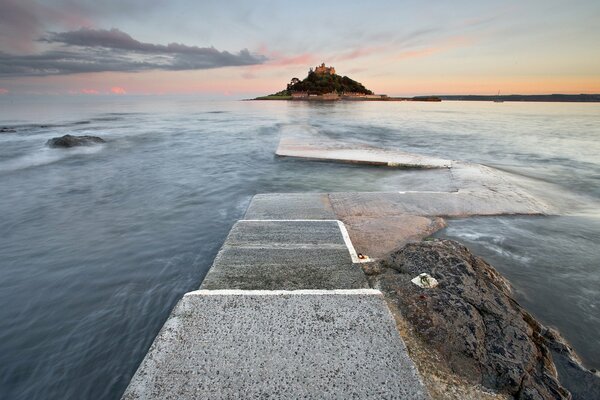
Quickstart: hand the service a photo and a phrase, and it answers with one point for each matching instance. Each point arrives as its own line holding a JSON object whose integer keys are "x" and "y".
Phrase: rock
{"x": 7, "y": 130}
{"x": 72, "y": 141}
{"x": 583, "y": 384}
{"x": 472, "y": 321}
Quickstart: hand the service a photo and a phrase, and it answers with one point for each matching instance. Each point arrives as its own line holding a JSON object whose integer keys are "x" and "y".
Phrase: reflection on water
{"x": 99, "y": 243}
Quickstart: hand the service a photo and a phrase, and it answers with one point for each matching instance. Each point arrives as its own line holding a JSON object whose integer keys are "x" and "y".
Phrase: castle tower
{"x": 324, "y": 70}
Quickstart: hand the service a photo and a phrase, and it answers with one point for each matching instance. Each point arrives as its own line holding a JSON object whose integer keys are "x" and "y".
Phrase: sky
{"x": 244, "y": 48}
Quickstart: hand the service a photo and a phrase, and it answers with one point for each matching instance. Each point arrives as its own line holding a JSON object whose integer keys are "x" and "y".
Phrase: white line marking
{"x": 288, "y": 220}
{"x": 424, "y": 191}
{"x": 350, "y": 246}
{"x": 238, "y": 292}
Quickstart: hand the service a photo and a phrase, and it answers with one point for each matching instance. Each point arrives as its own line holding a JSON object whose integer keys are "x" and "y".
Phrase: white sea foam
{"x": 45, "y": 156}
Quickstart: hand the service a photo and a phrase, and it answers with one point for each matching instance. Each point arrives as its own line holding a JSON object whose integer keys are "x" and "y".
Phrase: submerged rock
{"x": 472, "y": 321}
{"x": 72, "y": 141}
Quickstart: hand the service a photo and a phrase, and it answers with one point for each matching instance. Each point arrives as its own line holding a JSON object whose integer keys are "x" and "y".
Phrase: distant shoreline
{"x": 562, "y": 98}
{"x": 350, "y": 99}
{"x": 548, "y": 98}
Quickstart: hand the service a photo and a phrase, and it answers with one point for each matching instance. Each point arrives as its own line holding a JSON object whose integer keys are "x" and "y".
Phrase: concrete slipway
{"x": 286, "y": 312}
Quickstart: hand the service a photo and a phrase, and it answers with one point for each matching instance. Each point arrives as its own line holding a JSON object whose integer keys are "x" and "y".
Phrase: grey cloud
{"x": 118, "y": 40}
{"x": 90, "y": 50}
{"x": 19, "y": 24}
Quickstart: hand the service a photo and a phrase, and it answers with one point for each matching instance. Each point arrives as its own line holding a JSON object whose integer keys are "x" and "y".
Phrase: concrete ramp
{"x": 290, "y": 206}
{"x": 286, "y": 254}
{"x": 475, "y": 189}
{"x": 306, "y": 344}
{"x": 314, "y": 148}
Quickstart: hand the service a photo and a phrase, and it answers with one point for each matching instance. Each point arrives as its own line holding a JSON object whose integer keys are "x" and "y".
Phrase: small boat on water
{"x": 498, "y": 99}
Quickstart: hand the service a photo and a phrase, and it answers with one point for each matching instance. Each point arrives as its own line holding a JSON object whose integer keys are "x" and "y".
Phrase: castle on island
{"x": 323, "y": 70}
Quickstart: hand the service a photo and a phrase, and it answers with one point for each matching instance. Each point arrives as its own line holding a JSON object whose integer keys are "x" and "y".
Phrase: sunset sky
{"x": 243, "y": 48}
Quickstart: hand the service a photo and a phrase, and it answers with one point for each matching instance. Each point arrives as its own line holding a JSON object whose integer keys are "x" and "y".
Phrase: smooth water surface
{"x": 99, "y": 243}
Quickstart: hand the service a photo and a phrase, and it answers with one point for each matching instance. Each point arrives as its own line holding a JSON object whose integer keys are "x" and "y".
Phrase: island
{"x": 323, "y": 84}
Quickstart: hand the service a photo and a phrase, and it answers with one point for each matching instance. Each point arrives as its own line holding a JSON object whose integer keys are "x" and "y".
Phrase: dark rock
{"x": 72, "y": 141}
{"x": 7, "y": 130}
{"x": 583, "y": 384}
{"x": 473, "y": 322}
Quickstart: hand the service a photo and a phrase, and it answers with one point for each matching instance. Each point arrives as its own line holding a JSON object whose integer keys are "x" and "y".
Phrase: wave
{"x": 298, "y": 130}
{"x": 491, "y": 242}
{"x": 45, "y": 156}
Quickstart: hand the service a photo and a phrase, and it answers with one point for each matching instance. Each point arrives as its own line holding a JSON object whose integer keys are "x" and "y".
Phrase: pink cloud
{"x": 358, "y": 53}
{"x": 418, "y": 53}
{"x": 117, "y": 90}
{"x": 3, "y": 91}
{"x": 89, "y": 91}
{"x": 276, "y": 61}
{"x": 276, "y": 58}
{"x": 301, "y": 59}
{"x": 427, "y": 51}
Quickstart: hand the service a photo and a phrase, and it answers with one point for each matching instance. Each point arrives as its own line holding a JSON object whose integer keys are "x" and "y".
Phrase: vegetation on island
{"x": 316, "y": 83}
{"x": 322, "y": 83}
{"x": 319, "y": 83}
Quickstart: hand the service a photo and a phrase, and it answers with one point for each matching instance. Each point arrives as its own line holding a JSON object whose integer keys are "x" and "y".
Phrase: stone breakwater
{"x": 286, "y": 311}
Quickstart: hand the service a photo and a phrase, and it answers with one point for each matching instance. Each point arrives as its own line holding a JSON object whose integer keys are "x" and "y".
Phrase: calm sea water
{"x": 98, "y": 244}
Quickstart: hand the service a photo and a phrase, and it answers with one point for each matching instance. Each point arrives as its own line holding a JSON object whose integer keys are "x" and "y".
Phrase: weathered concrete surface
{"x": 291, "y": 255}
{"x": 471, "y": 321}
{"x": 376, "y": 237}
{"x": 476, "y": 189}
{"x": 285, "y": 345}
{"x": 314, "y": 148}
{"x": 415, "y": 180}
{"x": 290, "y": 206}
{"x": 459, "y": 204}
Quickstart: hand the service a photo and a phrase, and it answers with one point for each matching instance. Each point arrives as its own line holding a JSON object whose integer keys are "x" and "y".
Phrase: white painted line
{"x": 288, "y": 220}
{"x": 425, "y": 192}
{"x": 349, "y": 245}
{"x": 310, "y": 246}
{"x": 238, "y": 292}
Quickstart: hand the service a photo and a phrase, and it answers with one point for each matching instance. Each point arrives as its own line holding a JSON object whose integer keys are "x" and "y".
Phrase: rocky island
{"x": 323, "y": 84}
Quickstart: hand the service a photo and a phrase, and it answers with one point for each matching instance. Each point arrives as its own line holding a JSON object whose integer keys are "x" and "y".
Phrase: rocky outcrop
{"x": 472, "y": 321}
{"x": 72, "y": 141}
{"x": 4, "y": 129}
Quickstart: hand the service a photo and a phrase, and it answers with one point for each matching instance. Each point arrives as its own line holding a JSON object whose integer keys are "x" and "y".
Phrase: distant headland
{"x": 323, "y": 84}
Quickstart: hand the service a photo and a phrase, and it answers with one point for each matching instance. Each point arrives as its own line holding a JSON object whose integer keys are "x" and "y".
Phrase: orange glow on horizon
{"x": 117, "y": 90}
{"x": 249, "y": 82}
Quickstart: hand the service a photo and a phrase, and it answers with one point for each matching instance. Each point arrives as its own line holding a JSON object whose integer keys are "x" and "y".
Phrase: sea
{"x": 97, "y": 244}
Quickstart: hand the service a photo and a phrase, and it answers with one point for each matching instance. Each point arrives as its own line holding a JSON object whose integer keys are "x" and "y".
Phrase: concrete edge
{"x": 314, "y": 292}
{"x": 397, "y": 165}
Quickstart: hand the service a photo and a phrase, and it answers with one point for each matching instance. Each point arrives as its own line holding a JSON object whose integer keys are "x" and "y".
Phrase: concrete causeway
{"x": 284, "y": 312}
